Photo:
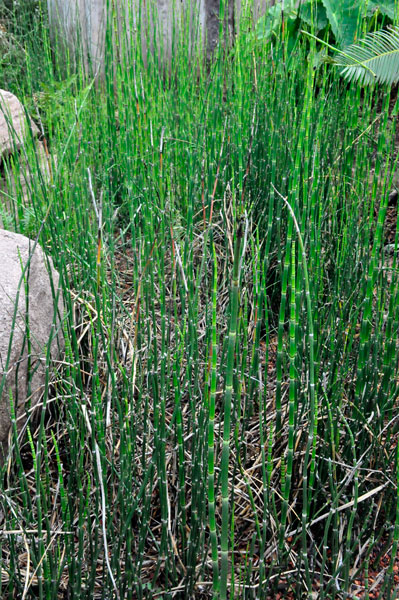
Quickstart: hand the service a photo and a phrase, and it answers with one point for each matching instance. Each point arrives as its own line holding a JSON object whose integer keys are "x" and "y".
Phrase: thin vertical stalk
{"x": 281, "y": 328}
{"x": 310, "y": 446}
{"x": 211, "y": 435}
{"x": 291, "y": 401}
{"x": 228, "y": 395}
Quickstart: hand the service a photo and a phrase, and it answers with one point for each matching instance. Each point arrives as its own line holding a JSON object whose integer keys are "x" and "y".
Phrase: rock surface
{"x": 14, "y": 128}
{"x": 17, "y": 183}
{"x": 16, "y": 174}
{"x": 24, "y": 339}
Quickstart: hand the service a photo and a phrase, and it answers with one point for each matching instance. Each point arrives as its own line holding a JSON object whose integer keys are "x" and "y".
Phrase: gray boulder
{"x": 29, "y": 320}
{"x": 14, "y": 127}
{"x": 17, "y": 183}
{"x": 16, "y": 174}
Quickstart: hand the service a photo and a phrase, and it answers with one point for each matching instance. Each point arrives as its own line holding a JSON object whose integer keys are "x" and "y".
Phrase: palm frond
{"x": 375, "y": 58}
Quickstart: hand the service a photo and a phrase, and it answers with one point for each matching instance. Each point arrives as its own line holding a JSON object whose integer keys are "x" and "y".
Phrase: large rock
{"x": 17, "y": 181}
{"x": 26, "y": 333}
{"x": 14, "y": 127}
{"x": 16, "y": 174}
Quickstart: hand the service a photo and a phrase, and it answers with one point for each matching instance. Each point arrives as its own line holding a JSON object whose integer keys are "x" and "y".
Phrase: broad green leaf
{"x": 270, "y": 23}
{"x": 319, "y": 15}
{"x": 386, "y": 7}
{"x": 343, "y": 16}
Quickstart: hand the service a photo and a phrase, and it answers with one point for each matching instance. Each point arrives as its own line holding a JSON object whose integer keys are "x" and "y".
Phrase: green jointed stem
{"x": 228, "y": 395}
{"x": 310, "y": 447}
{"x": 355, "y": 500}
{"x": 281, "y": 327}
{"x": 291, "y": 402}
{"x": 211, "y": 435}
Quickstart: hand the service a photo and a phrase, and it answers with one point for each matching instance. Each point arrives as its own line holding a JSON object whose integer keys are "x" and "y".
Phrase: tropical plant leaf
{"x": 270, "y": 23}
{"x": 385, "y": 7}
{"x": 374, "y": 58}
{"x": 320, "y": 20}
{"x": 344, "y": 17}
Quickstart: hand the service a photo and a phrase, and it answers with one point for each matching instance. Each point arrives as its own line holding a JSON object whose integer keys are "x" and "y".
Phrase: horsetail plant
{"x": 309, "y": 462}
{"x": 291, "y": 401}
{"x": 228, "y": 396}
{"x": 281, "y": 328}
{"x": 151, "y": 329}
{"x": 211, "y": 435}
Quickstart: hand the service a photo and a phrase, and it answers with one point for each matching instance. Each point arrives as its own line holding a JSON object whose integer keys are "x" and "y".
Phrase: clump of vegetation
{"x": 339, "y": 21}
{"x": 12, "y": 58}
{"x": 22, "y": 47}
{"x": 224, "y": 423}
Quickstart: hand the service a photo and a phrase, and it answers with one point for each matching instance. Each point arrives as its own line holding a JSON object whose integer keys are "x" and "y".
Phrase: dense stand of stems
{"x": 224, "y": 416}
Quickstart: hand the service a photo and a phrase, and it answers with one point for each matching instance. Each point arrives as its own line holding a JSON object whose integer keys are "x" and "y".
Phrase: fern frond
{"x": 375, "y": 58}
